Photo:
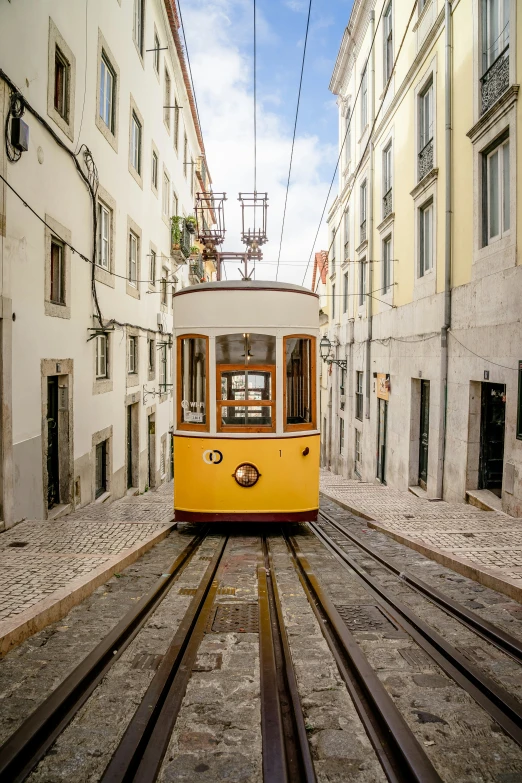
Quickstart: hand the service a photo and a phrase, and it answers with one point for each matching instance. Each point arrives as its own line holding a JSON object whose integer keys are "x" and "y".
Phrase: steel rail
{"x": 488, "y": 631}
{"x": 140, "y": 752}
{"x": 286, "y": 752}
{"x": 504, "y": 708}
{"x": 397, "y": 749}
{"x": 21, "y": 752}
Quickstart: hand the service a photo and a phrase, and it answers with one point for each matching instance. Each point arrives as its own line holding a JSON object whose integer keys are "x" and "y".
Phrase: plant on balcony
{"x": 191, "y": 224}
{"x": 176, "y": 229}
{"x": 194, "y": 250}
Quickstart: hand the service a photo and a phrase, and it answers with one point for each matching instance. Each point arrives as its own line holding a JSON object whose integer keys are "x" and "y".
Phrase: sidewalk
{"x": 48, "y": 567}
{"x": 482, "y": 545}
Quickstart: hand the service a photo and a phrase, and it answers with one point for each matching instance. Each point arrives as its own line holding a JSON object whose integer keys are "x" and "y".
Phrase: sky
{"x": 219, "y": 37}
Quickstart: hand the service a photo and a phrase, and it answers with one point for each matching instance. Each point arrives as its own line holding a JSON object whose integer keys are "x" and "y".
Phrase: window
{"x": 341, "y": 435}
{"x": 135, "y": 147}
{"x": 156, "y": 53}
{"x": 101, "y": 469}
{"x": 154, "y": 170}
{"x": 132, "y": 359}
{"x": 362, "y": 283}
{"x": 163, "y": 368}
{"x": 495, "y": 30}
{"x": 345, "y": 292}
{"x": 425, "y": 239}
{"x": 193, "y": 374}
{"x": 348, "y": 143}
{"x": 185, "y": 153}
{"x": 107, "y": 80}
{"x": 104, "y": 229}
{"x": 364, "y": 99}
{"x": 358, "y": 452}
{"x": 152, "y": 270}
{"x": 347, "y": 234}
{"x": 162, "y": 458}
{"x": 163, "y": 294}
{"x": 102, "y": 357}
{"x": 333, "y": 302}
{"x": 388, "y": 42}
{"x": 496, "y": 195}
{"x": 426, "y": 131}
{"x": 358, "y": 395}
{"x": 151, "y": 351}
{"x": 166, "y": 107}
{"x": 174, "y": 202}
{"x": 137, "y": 26}
{"x": 386, "y": 265}
{"x": 133, "y": 259}
{"x": 176, "y": 124}
{"x": 299, "y": 383}
{"x": 61, "y": 84}
{"x": 363, "y": 211}
{"x": 57, "y": 272}
{"x": 387, "y": 170}
{"x": 165, "y": 196}
{"x": 245, "y": 366}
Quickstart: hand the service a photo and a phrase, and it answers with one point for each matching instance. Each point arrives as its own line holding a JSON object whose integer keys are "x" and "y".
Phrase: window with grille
{"x": 102, "y": 356}
{"x": 133, "y": 259}
{"x": 132, "y": 358}
{"x": 425, "y": 239}
{"x": 107, "y": 84}
{"x": 104, "y": 229}
{"x": 57, "y": 272}
{"x": 135, "y": 146}
{"x": 496, "y": 219}
{"x": 358, "y": 395}
{"x": 61, "y": 84}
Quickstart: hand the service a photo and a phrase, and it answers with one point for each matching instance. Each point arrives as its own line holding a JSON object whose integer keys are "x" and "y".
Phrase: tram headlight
{"x": 246, "y": 474}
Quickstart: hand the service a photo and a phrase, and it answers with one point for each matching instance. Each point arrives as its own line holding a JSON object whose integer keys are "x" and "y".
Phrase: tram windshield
{"x": 245, "y": 366}
{"x": 299, "y": 359}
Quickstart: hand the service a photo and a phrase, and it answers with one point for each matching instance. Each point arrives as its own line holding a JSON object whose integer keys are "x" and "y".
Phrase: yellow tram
{"x": 246, "y": 443}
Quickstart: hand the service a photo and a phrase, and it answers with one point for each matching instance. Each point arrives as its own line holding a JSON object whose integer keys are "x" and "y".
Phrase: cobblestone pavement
{"x": 483, "y": 544}
{"x": 39, "y": 558}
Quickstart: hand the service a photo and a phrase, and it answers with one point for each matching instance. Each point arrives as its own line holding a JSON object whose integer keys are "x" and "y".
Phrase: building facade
{"x": 424, "y": 278}
{"x": 93, "y": 244}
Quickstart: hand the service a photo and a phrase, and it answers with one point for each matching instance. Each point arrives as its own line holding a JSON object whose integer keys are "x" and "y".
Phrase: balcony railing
{"x": 363, "y": 231}
{"x": 387, "y": 203}
{"x": 197, "y": 269}
{"x": 495, "y": 81}
{"x": 426, "y": 159}
{"x": 185, "y": 241}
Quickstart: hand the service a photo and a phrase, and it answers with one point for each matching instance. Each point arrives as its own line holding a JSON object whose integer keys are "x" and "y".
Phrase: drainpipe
{"x": 370, "y": 224}
{"x": 448, "y": 247}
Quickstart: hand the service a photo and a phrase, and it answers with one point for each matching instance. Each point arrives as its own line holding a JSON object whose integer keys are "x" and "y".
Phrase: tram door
{"x": 53, "y": 478}
{"x": 381, "y": 440}
{"x": 424, "y": 433}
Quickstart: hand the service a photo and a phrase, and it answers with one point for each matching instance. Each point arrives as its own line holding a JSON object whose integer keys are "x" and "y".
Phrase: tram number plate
{"x": 196, "y": 418}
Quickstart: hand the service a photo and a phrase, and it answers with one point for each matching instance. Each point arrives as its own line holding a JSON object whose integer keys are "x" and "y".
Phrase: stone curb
{"x": 496, "y": 580}
{"x": 15, "y": 630}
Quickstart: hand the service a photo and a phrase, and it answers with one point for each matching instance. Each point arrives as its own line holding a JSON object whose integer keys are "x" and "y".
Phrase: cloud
{"x": 223, "y": 79}
{"x": 299, "y": 6}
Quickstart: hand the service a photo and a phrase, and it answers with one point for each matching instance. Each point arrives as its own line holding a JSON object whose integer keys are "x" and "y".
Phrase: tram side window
{"x": 245, "y": 365}
{"x": 192, "y": 403}
{"x": 299, "y": 379}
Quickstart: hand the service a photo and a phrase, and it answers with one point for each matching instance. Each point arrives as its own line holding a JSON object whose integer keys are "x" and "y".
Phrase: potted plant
{"x": 176, "y": 232}
{"x": 191, "y": 224}
{"x": 194, "y": 250}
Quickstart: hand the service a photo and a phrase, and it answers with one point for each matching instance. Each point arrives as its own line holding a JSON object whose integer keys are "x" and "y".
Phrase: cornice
{"x": 351, "y": 44}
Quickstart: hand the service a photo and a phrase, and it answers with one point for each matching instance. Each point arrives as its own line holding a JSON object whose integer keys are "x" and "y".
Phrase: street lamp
{"x": 325, "y": 346}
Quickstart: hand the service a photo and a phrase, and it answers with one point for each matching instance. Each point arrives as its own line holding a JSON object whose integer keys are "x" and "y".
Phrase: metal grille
{"x": 415, "y": 657}
{"x": 495, "y": 81}
{"x": 246, "y": 475}
{"x": 365, "y": 618}
{"x": 146, "y": 661}
{"x": 236, "y": 618}
{"x": 426, "y": 159}
{"x": 387, "y": 203}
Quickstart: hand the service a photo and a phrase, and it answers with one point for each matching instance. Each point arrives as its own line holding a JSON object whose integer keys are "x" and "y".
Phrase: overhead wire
{"x": 255, "y": 103}
{"x": 293, "y": 137}
{"x": 189, "y": 66}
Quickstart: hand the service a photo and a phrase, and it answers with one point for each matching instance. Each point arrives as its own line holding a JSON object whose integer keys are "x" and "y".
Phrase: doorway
{"x": 53, "y": 457}
{"x": 130, "y": 453}
{"x": 382, "y": 422}
{"x": 492, "y": 430}
{"x": 424, "y": 434}
{"x": 151, "y": 476}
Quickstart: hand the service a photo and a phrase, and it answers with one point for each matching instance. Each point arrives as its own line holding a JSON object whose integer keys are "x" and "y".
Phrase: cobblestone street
{"x": 484, "y": 545}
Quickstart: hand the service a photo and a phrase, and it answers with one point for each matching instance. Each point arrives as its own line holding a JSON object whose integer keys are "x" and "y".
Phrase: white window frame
{"x": 503, "y": 230}
{"x": 492, "y": 49}
{"x": 132, "y": 355}
{"x": 103, "y": 256}
{"x": 362, "y": 283}
{"x": 363, "y": 199}
{"x": 133, "y": 259}
{"x": 386, "y": 264}
{"x": 185, "y": 153}
{"x": 163, "y": 374}
{"x": 387, "y": 27}
{"x": 163, "y": 287}
{"x": 425, "y": 264}
{"x": 176, "y": 123}
{"x": 136, "y": 140}
{"x": 102, "y": 356}
{"x": 346, "y": 291}
{"x": 387, "y": 168}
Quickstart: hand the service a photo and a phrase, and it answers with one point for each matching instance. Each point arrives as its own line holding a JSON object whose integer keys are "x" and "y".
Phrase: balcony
{"x": 196, "y": 269}
{"x": 363, "y": 231}
{"x": 387, "y": 203}
{"x": 426, "y": 159}
{"x": 495, "y": 81}
{"x": 180, "y": 237}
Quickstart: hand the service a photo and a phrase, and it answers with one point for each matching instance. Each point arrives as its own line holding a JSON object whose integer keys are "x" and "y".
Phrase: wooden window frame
{"x": 271, "y": 368}
{"x": 185, "y": 425}
{"x": 311, "y": 425}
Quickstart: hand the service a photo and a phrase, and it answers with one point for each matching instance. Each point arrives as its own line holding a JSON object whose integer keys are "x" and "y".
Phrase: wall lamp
{"x": 325, "y": 347}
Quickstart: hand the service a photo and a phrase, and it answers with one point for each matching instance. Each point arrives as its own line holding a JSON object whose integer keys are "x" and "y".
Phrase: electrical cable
{"x": 293, "y": 137}
{"x": 189, "y": 66}
{"x": 484, "y": 359}
{"x": 85, "y": 75}
{"x": 255, "y": 104}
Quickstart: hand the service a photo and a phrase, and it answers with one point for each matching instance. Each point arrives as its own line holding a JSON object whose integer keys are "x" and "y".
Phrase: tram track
{"x": 502, "y": 707}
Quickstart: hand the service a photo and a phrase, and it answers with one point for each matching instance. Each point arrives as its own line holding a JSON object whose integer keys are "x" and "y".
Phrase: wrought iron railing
{"x": 494, "y": 81}
{"x": 387, "y": 203}
{"x": 186, "y": 241}
{"x": 196, "y": 268}
{"x": 363, "y": 231}
{"x": 426, "y": 159}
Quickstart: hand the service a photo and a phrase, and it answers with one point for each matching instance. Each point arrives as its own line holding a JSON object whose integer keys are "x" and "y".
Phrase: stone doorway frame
{"x": 64, "y": 369}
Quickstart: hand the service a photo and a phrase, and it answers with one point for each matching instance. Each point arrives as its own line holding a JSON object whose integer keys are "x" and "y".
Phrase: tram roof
{"x": 246, "y": 285}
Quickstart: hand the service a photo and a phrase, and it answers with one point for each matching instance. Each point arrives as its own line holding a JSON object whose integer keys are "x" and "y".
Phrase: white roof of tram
{"x": 246, "y": 285}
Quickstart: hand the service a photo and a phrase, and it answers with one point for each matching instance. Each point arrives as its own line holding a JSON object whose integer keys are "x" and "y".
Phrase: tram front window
{"x": 193, "y": 393}
{"x": 245, "y": 365}
{"x": 300, "y": 379}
